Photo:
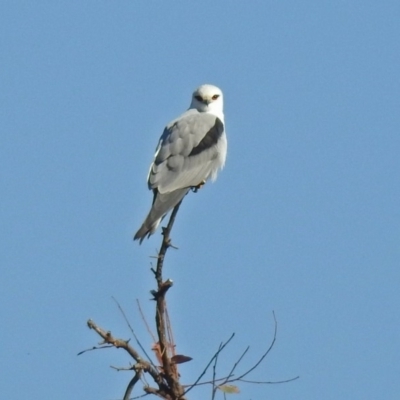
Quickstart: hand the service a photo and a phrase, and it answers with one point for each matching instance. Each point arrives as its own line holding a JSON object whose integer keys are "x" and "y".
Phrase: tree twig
{"x": 169, "y": 369}
{"x": 132, "y": 331}
{"x": 270, "y": 382}
{"x": 122, "y": 368}
{"x": 264, "y": 355}
{"x": 235, "y": 365}
{"x": 124, "y": 344}
{"x": 214, "y": 388}
{"x": 131, "y": 384}
{"x": 145, "y": 321}
{"x": 94, "y": 348}
{"x": 209, "y": 363}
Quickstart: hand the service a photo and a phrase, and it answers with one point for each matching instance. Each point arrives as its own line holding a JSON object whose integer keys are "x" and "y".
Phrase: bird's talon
{"x": 199, "y": 186}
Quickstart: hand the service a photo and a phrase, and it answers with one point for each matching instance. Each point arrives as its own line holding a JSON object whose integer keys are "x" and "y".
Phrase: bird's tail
{"x": 162, "y": 203}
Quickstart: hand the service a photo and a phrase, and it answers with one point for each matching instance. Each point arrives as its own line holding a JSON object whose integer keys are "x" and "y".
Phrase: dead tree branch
{"x": 132, "y": 384}
{"x": 108, "y": 339}
{"x": 168, "y": 367}
{"x": 165, "y": 373}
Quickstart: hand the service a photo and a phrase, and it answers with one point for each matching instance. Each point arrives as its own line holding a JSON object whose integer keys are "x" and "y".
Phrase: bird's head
{"x": 208, "y": 98}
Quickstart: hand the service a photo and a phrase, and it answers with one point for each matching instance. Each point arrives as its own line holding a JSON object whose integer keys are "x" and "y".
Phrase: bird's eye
{"x": 215, "y": 97}
{"x": 199, "y": 98}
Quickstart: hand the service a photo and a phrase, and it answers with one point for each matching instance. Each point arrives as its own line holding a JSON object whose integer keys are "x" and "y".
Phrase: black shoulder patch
{"x": 210, "y": 138}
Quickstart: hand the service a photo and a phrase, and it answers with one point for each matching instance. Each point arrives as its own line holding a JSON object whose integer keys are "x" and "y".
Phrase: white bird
{"x": 191, "y": 150}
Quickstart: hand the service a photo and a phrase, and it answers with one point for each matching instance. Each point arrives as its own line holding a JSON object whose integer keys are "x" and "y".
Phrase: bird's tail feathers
{"x": 162, "y": 204}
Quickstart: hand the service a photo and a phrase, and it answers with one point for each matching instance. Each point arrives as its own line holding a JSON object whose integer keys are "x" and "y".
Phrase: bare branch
{"x": 123, "y": 368}
{"x": 214, "y": 388}
{"x": 132, "y": 384}
{"x": 139, "y": 397}
{"x": 235, "y": 365}
{"x": 166, "y": 375}
{"x": 170, "y": 335}
{"x": 119, "y": 343}
{"x": 156, "y": 392}
{"x": 209, "y": 363}
{"x": 169, "y": 369}
{"x": 229, "y": 378}
{"x": 270, "y": 382}
{"x": 94, "y": 348}
{"x": 145, "y": 321}
{"x": 263, "y": 356}
{"x": 131, "y": 329}
{"x": 124, "y": 344}
{"x": 166, "y": 243}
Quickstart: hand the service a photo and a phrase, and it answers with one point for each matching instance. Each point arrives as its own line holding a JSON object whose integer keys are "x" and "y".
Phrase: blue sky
{"x": 303, "y": 221}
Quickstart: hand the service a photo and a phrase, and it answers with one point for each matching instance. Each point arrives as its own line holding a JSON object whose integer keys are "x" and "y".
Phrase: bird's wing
{"x": 189, "y": 152}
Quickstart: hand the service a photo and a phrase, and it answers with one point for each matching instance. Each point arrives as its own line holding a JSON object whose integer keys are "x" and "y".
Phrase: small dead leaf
{"x": 229, "y": 389}
{"x": 180, "y": 359}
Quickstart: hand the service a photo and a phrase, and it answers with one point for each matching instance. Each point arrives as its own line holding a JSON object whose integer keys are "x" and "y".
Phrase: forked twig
{"x": 230, "y": 377}
{"x": 263, "y": 356}
{"x": 209, "y": 363}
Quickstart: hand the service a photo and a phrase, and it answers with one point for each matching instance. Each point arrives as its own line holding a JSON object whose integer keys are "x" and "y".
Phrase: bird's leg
{"x": 199, "y": 186}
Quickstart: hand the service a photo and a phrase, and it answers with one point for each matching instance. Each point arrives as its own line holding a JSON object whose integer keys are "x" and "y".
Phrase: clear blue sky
{"x": 304, "y": 220}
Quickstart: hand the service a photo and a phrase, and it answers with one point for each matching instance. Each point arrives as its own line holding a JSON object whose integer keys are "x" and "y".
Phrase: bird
{"x": 191, "y": 150}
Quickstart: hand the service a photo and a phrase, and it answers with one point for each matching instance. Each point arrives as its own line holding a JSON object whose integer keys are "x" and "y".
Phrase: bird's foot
{"x": 199, "y": 186}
